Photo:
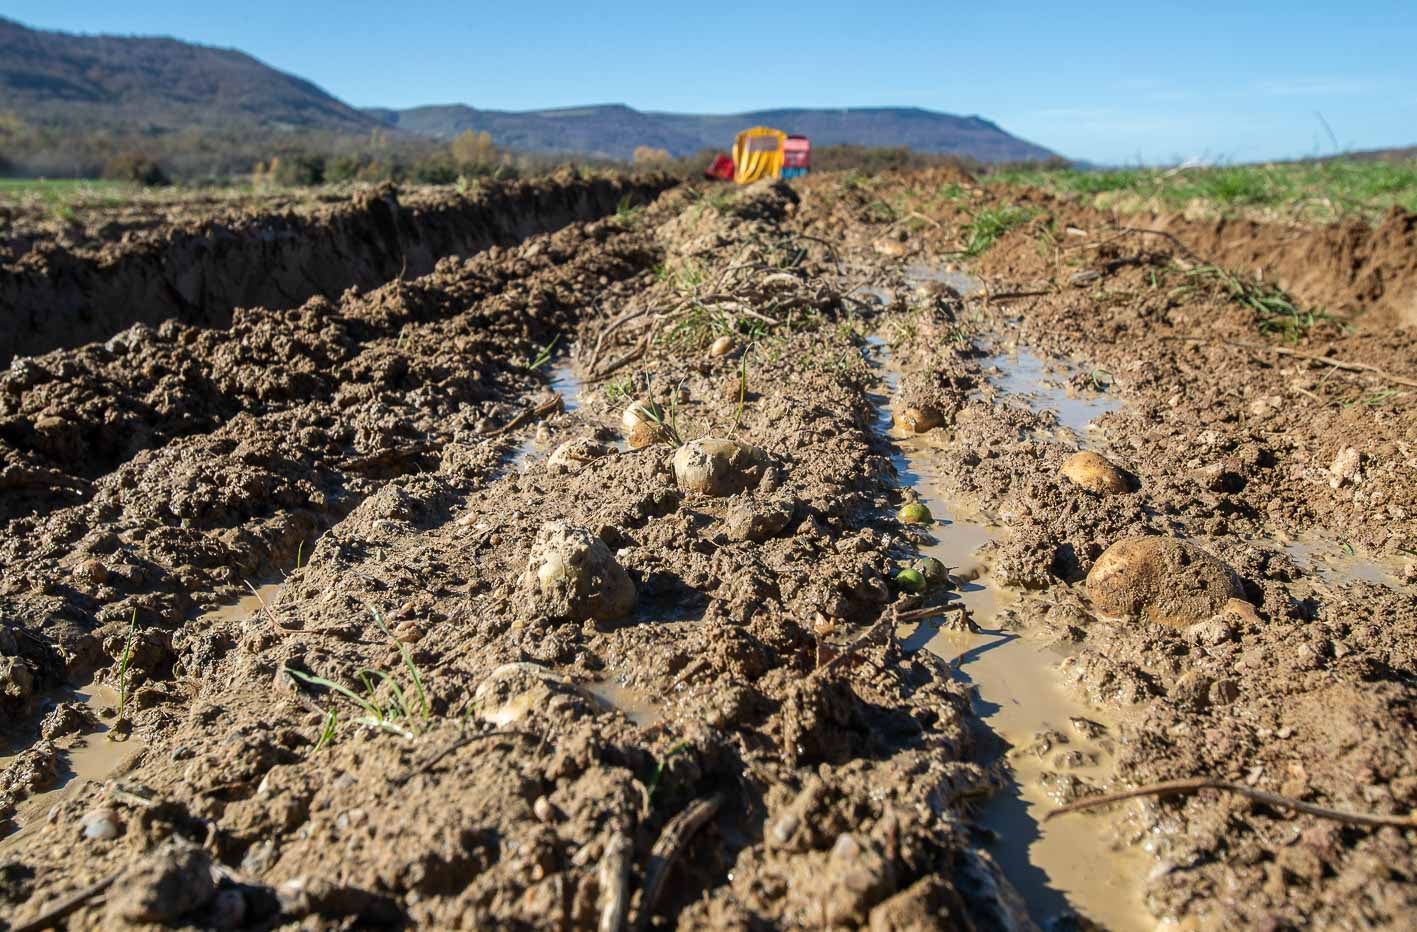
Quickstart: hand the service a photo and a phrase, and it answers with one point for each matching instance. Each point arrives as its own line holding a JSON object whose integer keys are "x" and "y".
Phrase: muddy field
{"x": 766, "y": 558}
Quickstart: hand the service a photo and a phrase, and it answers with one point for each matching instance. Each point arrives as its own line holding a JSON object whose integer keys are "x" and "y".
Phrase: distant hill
{"x": 148, "y": 86}
{"x": 65, "y": 81}
{"x": 614, "y": 130}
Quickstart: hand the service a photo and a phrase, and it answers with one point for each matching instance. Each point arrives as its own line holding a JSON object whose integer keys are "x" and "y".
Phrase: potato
{"x": 1095, "y": 473}
{"x": 1160, "y": 579}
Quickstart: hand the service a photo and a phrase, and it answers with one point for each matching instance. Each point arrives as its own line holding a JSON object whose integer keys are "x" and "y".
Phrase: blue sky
{"x": 1108, "y": 82}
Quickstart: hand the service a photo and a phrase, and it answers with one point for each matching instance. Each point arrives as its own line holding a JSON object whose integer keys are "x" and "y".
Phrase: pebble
{"x": 722, "y": 346}
{"x": 101, "y": 825}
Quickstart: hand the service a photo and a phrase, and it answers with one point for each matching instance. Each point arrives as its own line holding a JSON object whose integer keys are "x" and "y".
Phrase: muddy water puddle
{"x": 1054, "y": 742}
{"x": 632, "y": 703}
{"x": 90, "y": 756}
{"x": 1050, "y": 386}
{"x": 1339, "y": 563}
{"x": 97, "y": 754}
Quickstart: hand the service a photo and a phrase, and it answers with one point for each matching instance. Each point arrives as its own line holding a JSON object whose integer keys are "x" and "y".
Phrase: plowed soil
{"x": 504, "y": 669}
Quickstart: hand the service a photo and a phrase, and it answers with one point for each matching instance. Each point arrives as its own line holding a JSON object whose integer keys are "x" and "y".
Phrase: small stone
{"x": 1345, "y": 467}
{"x": 408, "y": 632}
{"x": 722, "y": 346}
{"x": 718, "y": 467}
{"x": 543, "y": 809}
{"x": 1161, "y": 579}
{"x": 1095, "y": 473}
{"x": 101, "y": 825}
{"x": 757, "y": 521}
{"x": 919, "y": 419}
{"x": 92, "y": 571}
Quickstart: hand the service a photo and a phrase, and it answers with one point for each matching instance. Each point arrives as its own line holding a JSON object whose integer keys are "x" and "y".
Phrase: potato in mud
{"x": 1095, "y": 473}
{"x": 574, "y": 576}
{"x": 715, "y": 466}
{"x": 918, "y": 419}
{"x": 1161, "y": 579}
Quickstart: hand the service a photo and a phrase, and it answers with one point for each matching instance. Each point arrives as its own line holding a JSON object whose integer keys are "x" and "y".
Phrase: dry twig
{"x": 669, "y": 848}
{"x": 1194, "y": 784}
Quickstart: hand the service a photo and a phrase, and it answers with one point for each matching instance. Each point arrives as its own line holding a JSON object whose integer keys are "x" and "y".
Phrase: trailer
{"x": 763, "y": 152}
{"x": 796, "y": 156}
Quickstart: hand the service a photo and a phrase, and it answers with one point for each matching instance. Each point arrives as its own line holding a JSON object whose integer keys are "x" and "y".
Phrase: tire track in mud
{"x": 1302, "y": 686}
{"x": 391, "y": 382}
{"x": 71, "y": 417}
{"x": 201, "y": 271}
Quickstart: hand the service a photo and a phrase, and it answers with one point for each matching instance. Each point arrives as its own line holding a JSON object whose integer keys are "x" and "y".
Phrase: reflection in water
{"x": 567, "y": 384}
{"x": 1343, "y": 563}
{"x": 631, "y": 703}
{"x": 84, "y": 757}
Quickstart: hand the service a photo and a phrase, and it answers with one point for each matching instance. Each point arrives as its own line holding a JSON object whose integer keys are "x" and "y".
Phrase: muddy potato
{"x": 645, "y": 434}
{"x": 1160, "y": 579}
{"x": 572, "y": 455}
{"x": 715, "y": 466}
{"x": 918, "y": 419}
{"x": 641, "y": 412}
{"x": 1095, "y": 473}
{"x": 574, "y": 576}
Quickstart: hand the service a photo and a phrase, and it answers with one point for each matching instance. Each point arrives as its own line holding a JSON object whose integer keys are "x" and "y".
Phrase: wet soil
{"x": 432, "y": 716}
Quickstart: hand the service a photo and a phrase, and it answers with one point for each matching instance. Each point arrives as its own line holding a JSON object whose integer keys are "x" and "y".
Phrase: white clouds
{"x": 1317, "y": 87}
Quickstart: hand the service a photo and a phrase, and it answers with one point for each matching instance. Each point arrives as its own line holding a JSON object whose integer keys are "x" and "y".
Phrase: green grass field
{"x": 1309, "y": 191}
{"x": 61, "y": 193}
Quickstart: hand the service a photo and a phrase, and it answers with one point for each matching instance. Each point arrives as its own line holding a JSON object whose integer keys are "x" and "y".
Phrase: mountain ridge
{"x": 615, "y": 130}
{"x": 133, "y": 85}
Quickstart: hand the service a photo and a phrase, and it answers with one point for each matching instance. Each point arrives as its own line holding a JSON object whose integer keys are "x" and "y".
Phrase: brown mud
{"x": 97, "y": 276}
{"x": 512, "y": 668}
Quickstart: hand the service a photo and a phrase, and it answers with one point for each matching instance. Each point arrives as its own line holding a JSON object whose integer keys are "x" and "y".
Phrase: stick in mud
{"x": 670, "y": 846}
{"x": 1194, "y": 784}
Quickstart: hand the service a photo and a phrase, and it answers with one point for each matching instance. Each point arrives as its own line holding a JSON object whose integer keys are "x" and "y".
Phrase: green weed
{"x": 1275, "y": 311}
{"x": 1317, "y": 190}
{"x": 543, "y": 355}
{"x": 990, "y": 223}
{"x": 121, "y": 724}
{"x": 398, "y": 714}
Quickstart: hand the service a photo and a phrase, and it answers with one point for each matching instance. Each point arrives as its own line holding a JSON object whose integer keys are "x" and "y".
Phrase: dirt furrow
{"x": 198, "y": 270}
{"x": 1302, "y": 685}
{"x": 70, "y": 417}
{"x": 419, "y": 370}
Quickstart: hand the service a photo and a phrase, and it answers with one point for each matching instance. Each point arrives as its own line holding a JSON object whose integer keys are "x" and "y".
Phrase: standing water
{"x": 1071, "y": 864}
